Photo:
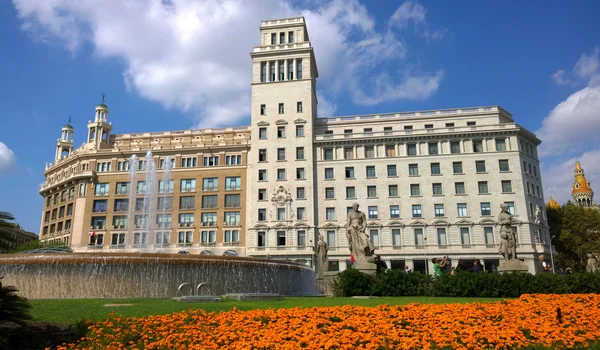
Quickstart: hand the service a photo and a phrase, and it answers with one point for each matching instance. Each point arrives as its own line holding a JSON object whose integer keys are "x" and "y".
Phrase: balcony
{"x": 210, "y": 188}
{"x": 163, "y": 225}
{"x": 186, "y": 224}
{"x": 98, "y": 227}
{"x": 122, "y": 192}
{"x": 119, "y": 227}
{"x": 233, "y": 188}
{"x": 209, "y": 223}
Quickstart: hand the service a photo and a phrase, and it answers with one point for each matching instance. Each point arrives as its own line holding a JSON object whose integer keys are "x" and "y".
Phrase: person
{"x": 359, "y": 242}
{"x": 453, "y": 271}
{"x": 437, "y": 267}
{"x": 406, "y": 269}
{"x": 381, "y": 265}
{"x": 544, "y": 266}
{"x": 476, "y": 266}
{"x": 459, "y": 266}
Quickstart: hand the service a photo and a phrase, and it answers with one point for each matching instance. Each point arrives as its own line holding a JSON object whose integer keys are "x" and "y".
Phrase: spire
{"x": 582, "y": 192}
{"x": 553, "y": 204}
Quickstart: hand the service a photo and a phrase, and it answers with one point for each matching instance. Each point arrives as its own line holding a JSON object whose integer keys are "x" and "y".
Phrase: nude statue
{"x": 360, "y": 244}
{"x": 508, "y": 246}
{"x": 592, "y": 263}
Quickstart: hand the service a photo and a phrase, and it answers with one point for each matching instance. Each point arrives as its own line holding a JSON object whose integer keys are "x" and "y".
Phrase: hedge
{"x": 464, "y": 284}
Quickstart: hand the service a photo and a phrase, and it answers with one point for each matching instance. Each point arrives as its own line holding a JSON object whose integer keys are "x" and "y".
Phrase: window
{"x": 101, "y": 189}
{"x": 457, "y": 168}
{"x": 165, "y": 186}
{"x": 486, "y": 209}
{"x": 462, "y": 209}
{"x": 373, "y": 212}
{"x": 299, "y": 107}
{"x": 349, "y": 172}
{"x": 348, "y": 132}
{"x": 281, "y": 70}
{"x": 449, "y": 125}
{"x": 262, "y": 155}
{"x": 465, "y": 237}
{"x": 187, "y": 202}
{"x": 290, "y": 69}
{"x": 211, "y": 161}
{"x": 489, "y": 235}
{"x": 188, "y": 162}
{"x": 396, "y": 237}
{"x": 209, "y": 219}
{"x": 141, "y": 187}
{"x": 232, "y": 218}
{"x": 300, "y": 174}
{"x": 477, "y": 146}
{"x": 329, "y": 193}
{"x": 165, "y": 203}
{"x": 82, "y": 190}
{"x": 369, "y": 152}
{"x": 416, "y": 211}
{"x": 415, "y": 190}
{"x": 428, "y": 126}
{"x": 371, "y": 191}
{"x": 391, "y": 170}
{"x": 280, "y": 238}
{"x": 117, "y": 239}
{"x": 163, "y": 220}
{"x": 281, "y": 132}
{"x": 500, "y": 145}
{"x": 348, "y": 153}
{"x": 282, "y": 38}
{"x": 534, "y": 171}
{"x": 433, "y": 148}
{"x": 480, "y": 166}
{"x": 262, "y": 194}
{"x": 503, "y": 164}
{"x": 438, "y": 210}
{"x": 98, "y": 206}
{"x": 437, "y": 189}
{"x": 208, "y": 237}
{"x": 441, "y": 237}
{"x": 368, "y": 131}
{"x": 329, "y": 174}
{"x": 262, "y": 214}
{"x": 299, "y": 153}
{"x": 301, "y": 213}
{"x": 280, "y": 154}
{"x": 273, "y": 38}
{"x": 122, "y": 188}
{"x": 390, "y": 150}
{"x": 185, "y": 237}
{"x": 233, "y": 183}
{"x": 455, "y": 147}
{"x": 483, "y": 187}
{"x": 331, "y": 238}
{"x": 263, "y": 72}
{"x": 394, "y": 212}
{"x": 459, "y": 187}
{"x": 419, "y": 241}
{"x": 186, "y": 220}
{"x": 262, "y": 175}
{"x": 300, "y": 193}
{"x": 411, "y": 149}
{"x": 139, "y": 204}
{"x": 281, "y": 109}
{"x": 435, "y": 169}
{"x": 261, "y": 239}
{"x": 374, "y": 237}
{"x": 299, "y": 130}
{"x": 506, "y": 186}
{"x": 232, "y": 201}
{"x": 393, "y": 190}
{"x": 328, "y": 153}
{"x": 350, "y": 192}
{"x": 210, "y": 184}
{"x": 471, "y": 123}
{"x": 99, "y": 222}
{"x": 162, "y": 238}
{"x": 329, "y": 214}
{"x": 370, "y": 171}
{"x": 298, "y": 68}
{"x": 281, "y": 174}
{"x": 301, "y": 238}
{"x": 511, "y": 207}
{"x": 262, "y": 133}
{"x": 413, "y": 170}
{"x": 123, "y": 166}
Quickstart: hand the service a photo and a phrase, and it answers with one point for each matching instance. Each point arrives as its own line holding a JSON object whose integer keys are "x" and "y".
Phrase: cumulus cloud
{"x": 193, "y": 54}
{"x": 414, "y": 13}
{"x": 7, "y": 158}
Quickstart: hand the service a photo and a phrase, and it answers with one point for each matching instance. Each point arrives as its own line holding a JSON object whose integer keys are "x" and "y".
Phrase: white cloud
{"x": 411, "y": 12}
{"x": 7, "y": 158}
{"x": 560, "y": 78}
{"x": 193, "y": 54}
{"x": 588, "y": 65}
{"x": 325, "y": 107}
{"x": 559, "y": 177}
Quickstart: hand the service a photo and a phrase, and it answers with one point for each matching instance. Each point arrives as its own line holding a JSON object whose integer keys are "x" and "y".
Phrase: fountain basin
{"x": 197, "y": 299}
{"x": 149, "y": 275}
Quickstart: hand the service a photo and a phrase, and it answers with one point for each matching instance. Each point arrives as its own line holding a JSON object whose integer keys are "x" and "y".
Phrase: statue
{"x": 592, "y": 263}
{"x": 359, "y": 242}
{"x": 538, "y": 215}
{"x": 322, "y": 259}
{"x": 102, "y": 98}
{"x": 508, "y": 246}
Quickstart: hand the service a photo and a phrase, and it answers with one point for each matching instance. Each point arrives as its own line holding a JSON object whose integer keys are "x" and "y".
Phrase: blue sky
{"x": 181, "y": 64}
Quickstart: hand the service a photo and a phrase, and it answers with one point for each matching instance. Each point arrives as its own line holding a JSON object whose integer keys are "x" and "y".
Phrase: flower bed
{"x": 531, "y": 320}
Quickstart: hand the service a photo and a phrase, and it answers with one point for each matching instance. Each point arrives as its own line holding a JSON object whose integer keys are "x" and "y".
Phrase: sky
{"x": 180, "y": 64}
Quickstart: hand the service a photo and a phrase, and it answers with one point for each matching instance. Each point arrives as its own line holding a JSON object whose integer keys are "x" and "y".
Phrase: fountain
{"x": 150, "y": 275}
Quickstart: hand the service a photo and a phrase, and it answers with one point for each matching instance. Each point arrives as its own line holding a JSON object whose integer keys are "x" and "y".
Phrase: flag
{"x": 92, "y": 233}
{"x": 351, "y": 257}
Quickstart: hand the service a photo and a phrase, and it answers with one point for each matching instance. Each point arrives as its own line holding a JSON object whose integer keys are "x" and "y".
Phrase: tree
{"x": 7, "y": 229}
{"x": 579, "y": 229}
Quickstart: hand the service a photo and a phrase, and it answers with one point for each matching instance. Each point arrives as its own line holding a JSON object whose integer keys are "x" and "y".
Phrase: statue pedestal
{"x": 366, "y": 267}
{"x": 512, "y": 266}
{"x": 325, "y": 282}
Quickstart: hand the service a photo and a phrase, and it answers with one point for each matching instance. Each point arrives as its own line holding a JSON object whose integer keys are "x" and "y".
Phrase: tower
{"x": 64, "y": 145}
{"x": 582, "y": 192}
{"x": 99, "y": 129}
{"x": 552, "y": 204}
{"x": 281, "y": 188}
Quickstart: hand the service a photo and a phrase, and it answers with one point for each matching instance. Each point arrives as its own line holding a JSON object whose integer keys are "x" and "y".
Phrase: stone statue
{"x": 538, "y": 215}
{"x": 360, "y": 244}
{"x": 508, "y": 246}
{"x": 322, "y": 259}
{"x": 102, "y": 98}
{"x": 592, "y": 263}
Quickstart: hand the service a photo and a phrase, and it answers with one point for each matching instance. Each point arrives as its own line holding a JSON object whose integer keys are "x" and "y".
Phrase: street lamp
{"x": 312, "y": 255}
{"x": 551, "y": 256}
{"x": 425, "y": 254}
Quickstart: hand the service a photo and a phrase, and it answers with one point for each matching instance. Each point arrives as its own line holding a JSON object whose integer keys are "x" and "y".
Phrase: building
{"x": 17, "y": 237}
{"x": 431, "y": 182}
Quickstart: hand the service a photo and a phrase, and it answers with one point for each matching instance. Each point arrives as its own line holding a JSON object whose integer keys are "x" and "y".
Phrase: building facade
{"x": 430, "y": 182}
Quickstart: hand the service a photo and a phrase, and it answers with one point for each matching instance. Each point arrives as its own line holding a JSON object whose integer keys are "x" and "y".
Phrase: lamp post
{"x": 425, "y": 254}
{"x": 551, "y": 256}
{"x": 312, "y": 255}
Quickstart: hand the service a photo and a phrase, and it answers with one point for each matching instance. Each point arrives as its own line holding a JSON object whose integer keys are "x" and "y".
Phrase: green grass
{"x": 73, "y": 310}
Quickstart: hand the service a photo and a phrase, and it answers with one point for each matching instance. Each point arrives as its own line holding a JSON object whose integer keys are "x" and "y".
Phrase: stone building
{"x": 17, "y": 237}
{"x": 430, "y": 182}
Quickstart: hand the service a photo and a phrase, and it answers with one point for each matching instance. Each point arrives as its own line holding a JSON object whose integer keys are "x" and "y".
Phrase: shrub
{"x": 353, "y": 282}
{"x": 13, "y": 308}
{"x": 400, "y": 283}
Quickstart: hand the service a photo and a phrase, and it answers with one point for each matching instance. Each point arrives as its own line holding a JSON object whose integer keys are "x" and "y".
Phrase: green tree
{"x": 579, "y": 234}
{"x": 7, "y": 229}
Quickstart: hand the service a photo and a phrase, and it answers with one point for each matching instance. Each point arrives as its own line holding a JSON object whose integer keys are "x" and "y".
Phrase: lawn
{"x": 73, "y": 310}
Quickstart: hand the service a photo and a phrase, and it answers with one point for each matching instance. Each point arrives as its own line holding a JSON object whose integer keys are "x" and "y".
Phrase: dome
{"x": 553, "y": 204}
{"x": 581, "y": 185}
